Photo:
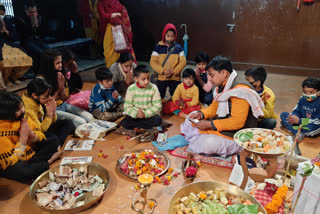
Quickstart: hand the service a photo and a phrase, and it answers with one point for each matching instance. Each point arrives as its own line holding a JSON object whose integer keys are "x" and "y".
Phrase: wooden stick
{"x": 291, "y": 154}
{"x": 299, "y": 194}
{"x": 298, "y": 5}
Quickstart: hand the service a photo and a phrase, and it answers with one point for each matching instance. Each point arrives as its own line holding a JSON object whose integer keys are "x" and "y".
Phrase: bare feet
{"x": 55, "y": 156}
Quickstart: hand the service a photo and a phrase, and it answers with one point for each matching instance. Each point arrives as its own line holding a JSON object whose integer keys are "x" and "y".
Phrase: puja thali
{"x": 145, "y": 161}
{"x": 263, "y": 142}
{"x": 191, "y": 192}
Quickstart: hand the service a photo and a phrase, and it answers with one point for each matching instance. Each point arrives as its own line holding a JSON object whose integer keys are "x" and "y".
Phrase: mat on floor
{"x": 226, "y": 162}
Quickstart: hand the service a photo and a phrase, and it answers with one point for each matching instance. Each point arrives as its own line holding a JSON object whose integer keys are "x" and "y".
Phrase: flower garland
{"x": 316, "y": 160}
{"x": 277, "y": 200}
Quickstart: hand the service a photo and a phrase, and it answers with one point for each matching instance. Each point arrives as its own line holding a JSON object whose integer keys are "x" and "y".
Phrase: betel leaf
{"x": 243, "y": 209}
{"x": 245, "y": 136}
{"x": 295, "y": 127}
{"x": 249, "y": 134}
{"x": 307, "y": 170}
{"x": 306, "y": 128}
{"x": 305, "y": 121}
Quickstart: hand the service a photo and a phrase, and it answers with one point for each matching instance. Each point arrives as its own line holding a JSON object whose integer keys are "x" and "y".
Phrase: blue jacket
{"x": 101, "y": 98}
{"x": 311, "y": 110}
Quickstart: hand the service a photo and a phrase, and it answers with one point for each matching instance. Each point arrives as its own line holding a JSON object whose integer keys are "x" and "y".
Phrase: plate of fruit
{"x": 263, "y": 141}
{"x": 147, "y": 161}
{"x": 213, "y": 197}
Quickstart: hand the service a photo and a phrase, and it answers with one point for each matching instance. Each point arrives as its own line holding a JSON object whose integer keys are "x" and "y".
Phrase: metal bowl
{"x": 263, "y": 154}
{"x": 156, "y": 154}
{"x": 93, "y": 168}
{"x": 210, "y": 185}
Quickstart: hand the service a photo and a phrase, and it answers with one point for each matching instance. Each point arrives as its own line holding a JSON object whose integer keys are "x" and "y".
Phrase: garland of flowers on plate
{"x": 277, "y": 199}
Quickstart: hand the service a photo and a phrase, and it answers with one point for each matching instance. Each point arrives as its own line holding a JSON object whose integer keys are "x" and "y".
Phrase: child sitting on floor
{"x": 204, "y": 85}
{"x": 186, "y": 97}
{"x": 25, "y": 153}
{"x": 142, "y": 103}
{"x": 51, "y": 70}
{"x": 308, "y": 107}
{"x": 105, "y": 102}
{"x": 257, "y": 76}
{"x": 41, "y": 108}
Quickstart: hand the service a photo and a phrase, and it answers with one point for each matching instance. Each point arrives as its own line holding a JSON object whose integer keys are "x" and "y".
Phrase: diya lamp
{"x": 145, "y": 181}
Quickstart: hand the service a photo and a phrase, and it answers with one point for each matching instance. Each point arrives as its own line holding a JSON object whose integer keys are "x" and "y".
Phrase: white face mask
{"x": 1, "y": 17}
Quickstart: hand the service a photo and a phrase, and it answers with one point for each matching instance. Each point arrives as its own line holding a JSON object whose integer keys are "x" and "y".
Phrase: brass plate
{"x": 263, "y": 154}
{"x": 156, "y": 153}
{"x": 93, "y": 168}
{"x": 210, "y": 185}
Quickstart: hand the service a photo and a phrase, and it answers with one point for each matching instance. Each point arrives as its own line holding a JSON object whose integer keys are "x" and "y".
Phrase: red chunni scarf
{"x": 114, "y": 6}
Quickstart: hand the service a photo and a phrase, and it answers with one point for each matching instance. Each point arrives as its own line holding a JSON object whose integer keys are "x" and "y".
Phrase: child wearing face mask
{"x": 257, "y": 76}
{"x": 168, "y": 61}
{"x": 186, "y": 97}
{"x": 308, "y": 107}
{"x": 204, "y": 85}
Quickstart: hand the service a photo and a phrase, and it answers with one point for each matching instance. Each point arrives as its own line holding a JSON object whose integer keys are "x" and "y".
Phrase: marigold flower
{"x": 151, "y": 204}
{"x": 203, "y": 196}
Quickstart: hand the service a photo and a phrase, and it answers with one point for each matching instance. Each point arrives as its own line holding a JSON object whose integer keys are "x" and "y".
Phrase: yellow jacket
{"x": 176, "y": 61}
{"x": 10, "y": 147}
{"x": 36, "y": 113}
{"x": 268, "y": 98}
{"x": 191, "y": 94}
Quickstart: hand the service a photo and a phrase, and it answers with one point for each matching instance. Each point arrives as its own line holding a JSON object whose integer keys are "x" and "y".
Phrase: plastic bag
{"x": 120, "y": 39}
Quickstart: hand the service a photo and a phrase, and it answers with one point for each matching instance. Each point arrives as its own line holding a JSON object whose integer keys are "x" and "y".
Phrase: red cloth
{"x": 171, "y": 107}
{"x": 166, "y": 28}
{"x": 264, "y": 199}
{"x": 106, "y": 8}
